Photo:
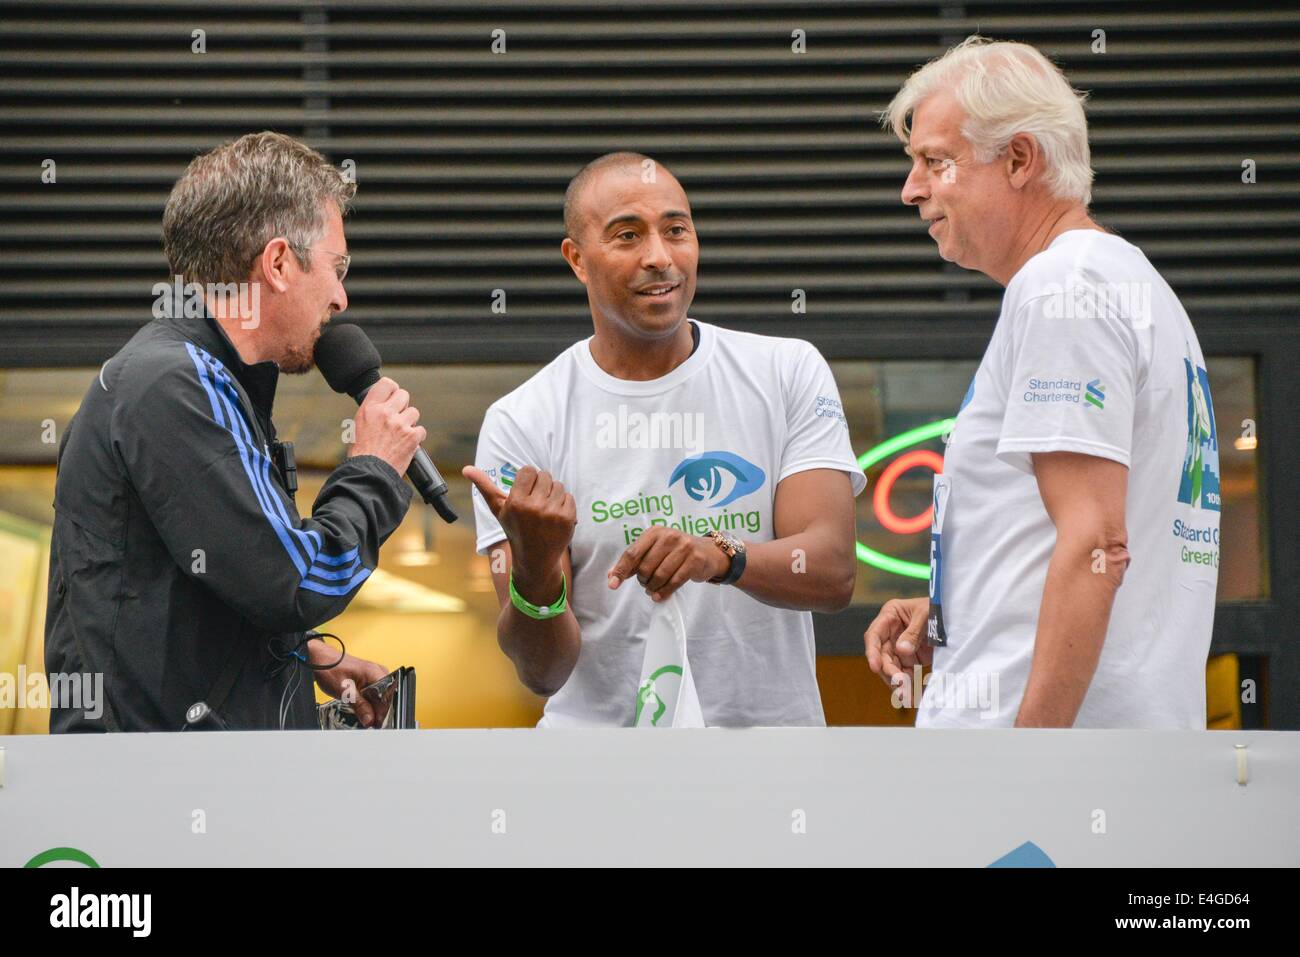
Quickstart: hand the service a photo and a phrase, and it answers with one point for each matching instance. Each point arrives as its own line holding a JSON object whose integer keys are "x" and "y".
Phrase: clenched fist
{"x": 538, "y": 516}
{"x": 387, "y": 426}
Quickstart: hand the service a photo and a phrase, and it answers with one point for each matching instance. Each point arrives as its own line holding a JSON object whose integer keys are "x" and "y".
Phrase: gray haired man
{"x": 1087, "y": 435}
{"x": 179, "y": 566}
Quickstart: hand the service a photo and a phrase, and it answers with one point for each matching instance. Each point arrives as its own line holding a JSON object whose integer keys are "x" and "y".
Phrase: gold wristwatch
{"x": 734, "y": 549}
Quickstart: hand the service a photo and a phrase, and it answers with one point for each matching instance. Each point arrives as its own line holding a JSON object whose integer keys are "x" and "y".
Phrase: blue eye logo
{"x": 717, "y": 478}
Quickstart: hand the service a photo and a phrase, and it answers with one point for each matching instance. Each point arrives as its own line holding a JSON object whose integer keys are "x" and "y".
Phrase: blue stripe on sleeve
{"x": 357, "y": 579}
{"x": 253, "y": 461}
{"x": 323, "y": 559}
{"x": 248, "y": 469}
{"x": 338, "y": 575}
{"x": 308, "y": 539}
{"x": 261, "y": 468}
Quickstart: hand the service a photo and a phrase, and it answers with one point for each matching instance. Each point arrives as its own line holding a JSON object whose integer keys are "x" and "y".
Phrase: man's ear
{"x": 573, "y": 256}
{"x": 1023, "y": 159}
{"x": 277, "y": 260}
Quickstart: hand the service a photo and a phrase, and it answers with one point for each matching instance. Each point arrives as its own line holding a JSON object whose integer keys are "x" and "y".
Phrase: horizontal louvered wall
{"x": 462, "y": 156}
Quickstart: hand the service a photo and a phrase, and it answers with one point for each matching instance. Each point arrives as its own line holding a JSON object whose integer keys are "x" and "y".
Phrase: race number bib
{"x": 934, "y": 631}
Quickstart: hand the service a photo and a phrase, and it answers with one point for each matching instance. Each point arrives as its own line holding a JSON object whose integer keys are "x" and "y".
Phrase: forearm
{"x": 1082, "y": 578}
{"x": 810, "y": 571}
{"x": 544, "y": 652}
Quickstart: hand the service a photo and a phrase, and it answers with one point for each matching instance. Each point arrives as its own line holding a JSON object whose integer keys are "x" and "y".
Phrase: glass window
{"x": 432, "y": 604}
{"x": 896, "y": 412}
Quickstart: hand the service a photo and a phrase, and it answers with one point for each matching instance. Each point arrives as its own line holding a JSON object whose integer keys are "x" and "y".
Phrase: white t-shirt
{"x": 1092, "y": 353}
{"x": 702, "y": 447}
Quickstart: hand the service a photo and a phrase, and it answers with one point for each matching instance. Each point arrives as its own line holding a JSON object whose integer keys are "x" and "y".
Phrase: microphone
{"x": 350, "y": 363}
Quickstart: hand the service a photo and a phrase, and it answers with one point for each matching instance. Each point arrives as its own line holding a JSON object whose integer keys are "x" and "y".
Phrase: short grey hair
{"x": 233, "y": 200}
{"x": 1005, "y": 89}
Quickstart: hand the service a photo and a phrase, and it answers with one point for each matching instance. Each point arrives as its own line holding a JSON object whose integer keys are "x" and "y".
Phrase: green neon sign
{"x": 869, "y": 556}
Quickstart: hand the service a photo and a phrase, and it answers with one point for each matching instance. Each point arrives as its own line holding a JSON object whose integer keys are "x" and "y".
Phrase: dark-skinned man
{"x": 635, "y": 464}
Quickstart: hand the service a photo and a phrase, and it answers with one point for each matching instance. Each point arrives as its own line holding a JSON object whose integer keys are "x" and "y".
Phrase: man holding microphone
{"x": 179, "y": 566}
{"x": 1085, "y": 455}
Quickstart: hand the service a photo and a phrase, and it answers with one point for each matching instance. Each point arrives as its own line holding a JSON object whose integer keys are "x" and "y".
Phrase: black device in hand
{"x": 392, "y": 697}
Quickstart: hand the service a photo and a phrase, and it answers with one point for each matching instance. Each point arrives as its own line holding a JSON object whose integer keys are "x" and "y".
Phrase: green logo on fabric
{"x": 508, "y": 473}
{"x": 647, "y": 696}
{"x": 1096, "y": 394}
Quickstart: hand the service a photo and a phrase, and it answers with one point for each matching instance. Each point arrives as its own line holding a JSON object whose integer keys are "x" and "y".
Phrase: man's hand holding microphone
{"x": 387, "y": 425}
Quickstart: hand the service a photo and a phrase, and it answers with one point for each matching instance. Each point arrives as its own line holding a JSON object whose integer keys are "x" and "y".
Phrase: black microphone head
{"x": 347, "y": 358}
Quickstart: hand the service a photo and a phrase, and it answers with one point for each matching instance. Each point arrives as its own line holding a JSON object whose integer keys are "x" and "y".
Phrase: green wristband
{"x": 540, "y": 612}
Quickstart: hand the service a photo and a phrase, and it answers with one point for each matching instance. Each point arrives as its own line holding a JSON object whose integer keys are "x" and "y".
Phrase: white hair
{"x": 1005, "y": 89}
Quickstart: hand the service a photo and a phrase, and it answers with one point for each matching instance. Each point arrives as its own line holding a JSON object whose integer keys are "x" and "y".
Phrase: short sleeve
{"x": 817, "y": 430}
{"x": 503, "y": 449}
{"x": 1073, "y": 385}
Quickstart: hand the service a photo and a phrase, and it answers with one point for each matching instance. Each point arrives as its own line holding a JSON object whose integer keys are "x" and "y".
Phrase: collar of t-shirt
{"x": 702, "y": 336}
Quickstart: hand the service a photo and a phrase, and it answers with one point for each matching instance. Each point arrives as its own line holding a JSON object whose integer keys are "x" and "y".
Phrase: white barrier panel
{"x": 840, "y": 796}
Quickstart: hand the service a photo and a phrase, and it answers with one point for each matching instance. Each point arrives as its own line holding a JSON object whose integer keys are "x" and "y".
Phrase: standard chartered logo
{"x": 829, "y": 407}
{"x": 1205, "y": 536}
{"x": 1070, "y": 391}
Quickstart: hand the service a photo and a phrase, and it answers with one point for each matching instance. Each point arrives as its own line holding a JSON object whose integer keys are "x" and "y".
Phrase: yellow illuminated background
{"x": 431, "y": 604}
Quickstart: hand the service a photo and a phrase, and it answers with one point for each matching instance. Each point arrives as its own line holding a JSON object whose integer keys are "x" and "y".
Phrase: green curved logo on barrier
{"x": 70, "y": 854}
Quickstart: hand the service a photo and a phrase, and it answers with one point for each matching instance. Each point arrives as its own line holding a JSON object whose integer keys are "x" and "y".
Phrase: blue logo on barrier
{"x": 1027, "y": 854}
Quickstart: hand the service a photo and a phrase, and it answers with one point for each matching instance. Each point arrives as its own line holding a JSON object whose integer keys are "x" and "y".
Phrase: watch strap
{"x": 737, "y": 557}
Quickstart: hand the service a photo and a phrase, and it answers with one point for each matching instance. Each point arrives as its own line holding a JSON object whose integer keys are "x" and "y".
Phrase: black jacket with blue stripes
{"x": 176, "y": 544}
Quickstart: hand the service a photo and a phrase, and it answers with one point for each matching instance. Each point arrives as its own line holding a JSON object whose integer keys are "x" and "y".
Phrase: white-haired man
{"x": 1086, "y": 438}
